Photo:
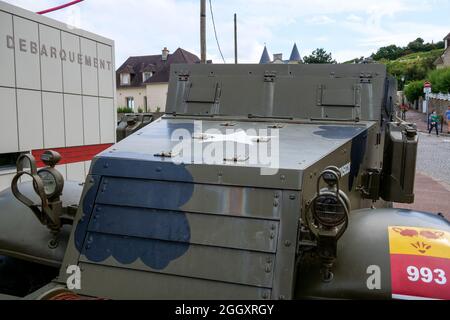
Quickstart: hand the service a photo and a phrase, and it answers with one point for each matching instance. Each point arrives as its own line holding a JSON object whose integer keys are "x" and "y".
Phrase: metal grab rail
{"x": 440, "y": 96}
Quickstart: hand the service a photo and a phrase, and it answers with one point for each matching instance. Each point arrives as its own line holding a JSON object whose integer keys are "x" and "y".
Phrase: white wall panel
{"x": 27, "y": 54}
{"x": 30, "y": 120}
{"x": 87, "y": 167}
{"x": 7, "y": 75}
{"x": 5, "y": 180}
{"x": 89, "y": 71}
{"x": 71, "y": 67}
{"x": 75, "y": 172}
{"x": 52, "y": 104}
{"x": 91, "y": 120}
{"x": 107, "y": 122}
{"x": 106, "y": 71}
{"x": 8, "y": 128}
{"x": 44, "y": 67}
{"x": 73, "y": 110}
{"x": 63, "y": 170}
{"x": 51, "y": 54}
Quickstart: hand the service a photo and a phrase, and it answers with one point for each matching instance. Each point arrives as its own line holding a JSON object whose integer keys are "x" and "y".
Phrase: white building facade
{"x": 143, "y": 81}
{"x": 57, "y": 91}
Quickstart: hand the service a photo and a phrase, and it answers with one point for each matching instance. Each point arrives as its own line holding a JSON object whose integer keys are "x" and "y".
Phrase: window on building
{"x": 130, "y": 102}
{"x": 125, "y": 79}
{"x": 8, "y": 160}
{"x": 147, "y": 75}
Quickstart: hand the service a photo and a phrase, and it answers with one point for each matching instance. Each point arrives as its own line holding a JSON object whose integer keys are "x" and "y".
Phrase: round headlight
{"x": 329, "y": 211}
{"x": 50, "y": 183}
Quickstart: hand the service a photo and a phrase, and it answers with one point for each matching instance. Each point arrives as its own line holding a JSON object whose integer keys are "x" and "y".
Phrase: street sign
{"x": 427, "y": 87}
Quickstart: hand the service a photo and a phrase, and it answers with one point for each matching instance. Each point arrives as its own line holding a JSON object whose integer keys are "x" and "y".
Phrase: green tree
{"x": 414, "y": 90}
{"x": 417, "y": 45}
{"x": 319, "y": 56}
{"x": 391, "y": 52}
{"x": 394, "y": 52}
{"x": 440, "y": 80}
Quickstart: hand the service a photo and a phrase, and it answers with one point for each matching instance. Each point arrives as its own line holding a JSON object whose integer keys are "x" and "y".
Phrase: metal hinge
{"x": 183, "y": 76}
{"x": 365, "y": 77}
{"x": 378, "y": 139}
{"x": 236, "y": 159}
{"x": 201, "y": 136}
{"x": 270, "y": 76}
{"x": 261, "y": 139}
{"x": 168, "y": 154}
{"x": 228, "y": 124}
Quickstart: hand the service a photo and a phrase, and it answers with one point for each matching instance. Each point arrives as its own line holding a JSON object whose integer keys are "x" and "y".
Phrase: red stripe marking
{"x": 72, "y": 154}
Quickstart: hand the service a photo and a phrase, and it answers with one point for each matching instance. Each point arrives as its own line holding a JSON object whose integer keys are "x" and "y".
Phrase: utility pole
{"x": 235, "y": 40}
{"x": 203, "y": 30}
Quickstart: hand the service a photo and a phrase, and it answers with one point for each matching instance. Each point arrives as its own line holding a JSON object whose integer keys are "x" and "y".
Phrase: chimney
{"x": 165, "y": 54}
{"x": 278, "y": 56}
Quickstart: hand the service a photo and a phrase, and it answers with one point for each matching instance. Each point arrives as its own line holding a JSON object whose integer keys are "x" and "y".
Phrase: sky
{"x": 346, "y": 28}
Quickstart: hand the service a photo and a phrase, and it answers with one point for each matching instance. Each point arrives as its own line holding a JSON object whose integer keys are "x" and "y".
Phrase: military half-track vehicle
{"x": 260, "y": 182}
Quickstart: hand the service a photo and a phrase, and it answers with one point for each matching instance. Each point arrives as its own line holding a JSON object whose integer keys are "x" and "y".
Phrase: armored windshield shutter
{"x": 335, "y": 95}
{"x": 203, "y": 91}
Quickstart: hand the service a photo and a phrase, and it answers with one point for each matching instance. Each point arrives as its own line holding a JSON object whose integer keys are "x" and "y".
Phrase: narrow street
{"x": 433, "y": 170}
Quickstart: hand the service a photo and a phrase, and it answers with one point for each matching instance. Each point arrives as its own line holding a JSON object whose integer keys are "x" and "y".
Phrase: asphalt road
{"x": 434, "y": 157}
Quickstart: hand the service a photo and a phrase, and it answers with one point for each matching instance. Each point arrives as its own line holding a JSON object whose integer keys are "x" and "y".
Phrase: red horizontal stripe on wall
{"x": 72, "y": 154}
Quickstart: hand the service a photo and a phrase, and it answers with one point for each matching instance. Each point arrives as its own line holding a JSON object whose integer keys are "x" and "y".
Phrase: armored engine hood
{"x": 203, "y": 230}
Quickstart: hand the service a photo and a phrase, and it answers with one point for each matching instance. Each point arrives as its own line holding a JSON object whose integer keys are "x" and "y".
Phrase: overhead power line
{"x": 60, "y": 7}
{"x": 215, "y": 31}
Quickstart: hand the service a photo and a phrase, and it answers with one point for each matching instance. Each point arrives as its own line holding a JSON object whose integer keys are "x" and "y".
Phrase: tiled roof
{"x": 161, "y": 69}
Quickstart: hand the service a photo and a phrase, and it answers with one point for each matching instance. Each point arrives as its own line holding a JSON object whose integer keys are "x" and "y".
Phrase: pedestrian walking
{"x": 434, "y": 120}
{"x": 447, "y": 117}
{"x": 404, "y": 108}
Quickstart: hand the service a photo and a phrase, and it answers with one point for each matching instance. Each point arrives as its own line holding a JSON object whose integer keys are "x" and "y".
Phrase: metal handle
{"x": 45, "y": 214}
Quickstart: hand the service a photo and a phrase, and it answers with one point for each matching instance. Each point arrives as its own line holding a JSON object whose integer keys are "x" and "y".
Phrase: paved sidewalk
{"x": 431, "y": 196}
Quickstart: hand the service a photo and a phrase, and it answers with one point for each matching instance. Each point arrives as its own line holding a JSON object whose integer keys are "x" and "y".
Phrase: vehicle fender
{"x": 22, "y": 236}
{"x": 374, "y": 256}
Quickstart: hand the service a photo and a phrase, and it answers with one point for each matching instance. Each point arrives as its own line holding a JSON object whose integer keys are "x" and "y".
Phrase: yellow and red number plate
{"x": 420, "y": 263}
